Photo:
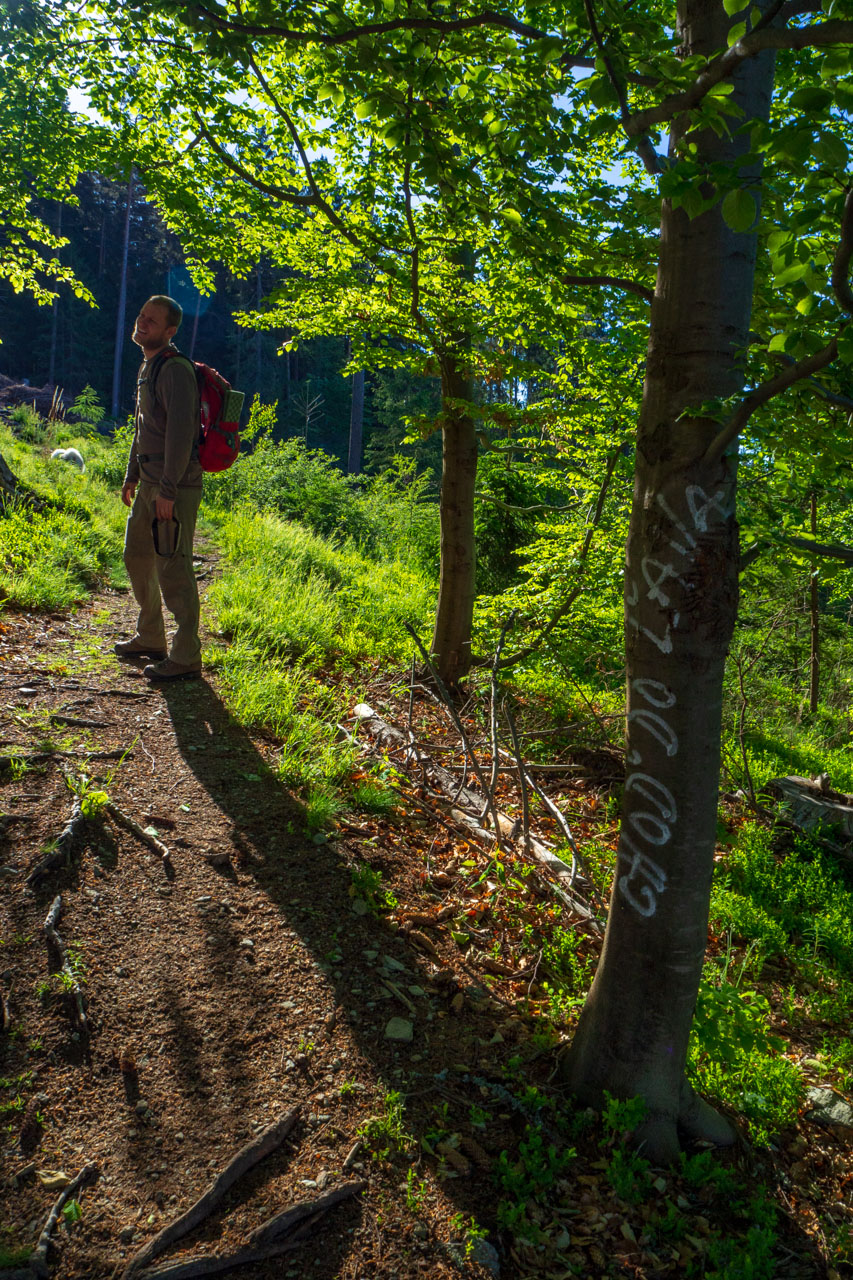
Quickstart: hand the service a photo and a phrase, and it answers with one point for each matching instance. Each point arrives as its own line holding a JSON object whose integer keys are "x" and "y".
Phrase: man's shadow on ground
{"x": 309, "y": 885}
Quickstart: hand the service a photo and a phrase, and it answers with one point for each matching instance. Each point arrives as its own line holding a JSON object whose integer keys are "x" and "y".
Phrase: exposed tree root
{"x": 62, "y": 851}
{"x": 72, "y": 985}
{"x": 75, "y": 723}
{"x": 246, "y": 1158}
{"x": 37, "y": 1268}
{"x": 286, "y": 1231}
{"x": 698, "y": 1121}
{"x": 124, "y": 820}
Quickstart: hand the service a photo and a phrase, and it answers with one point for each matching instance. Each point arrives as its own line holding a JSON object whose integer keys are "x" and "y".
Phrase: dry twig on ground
{"x": 564, "y": 887}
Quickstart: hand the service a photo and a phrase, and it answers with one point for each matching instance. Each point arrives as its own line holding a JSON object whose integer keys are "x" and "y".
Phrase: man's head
{"x": 157, "y": 324}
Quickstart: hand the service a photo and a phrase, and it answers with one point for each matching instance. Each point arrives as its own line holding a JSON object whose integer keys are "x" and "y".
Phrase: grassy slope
{"x": 778, "y": 988}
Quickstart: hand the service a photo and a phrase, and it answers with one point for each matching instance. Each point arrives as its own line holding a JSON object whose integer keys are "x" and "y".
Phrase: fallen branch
{"x": 62, "y": 850}
{"x": 460, "y": 729}
{"x": 124, "y": 820}
{"x": 493, "y": 706}
{"x": 577, "y": 860}
{"x": 246, "y": 1158}
{"x": 287, "y": 1230}
{"x": 37, "y": 1264}
{"x": 522, "y": 783}
{"x": 388, "y": 735}
{"x": 70, "y": 983}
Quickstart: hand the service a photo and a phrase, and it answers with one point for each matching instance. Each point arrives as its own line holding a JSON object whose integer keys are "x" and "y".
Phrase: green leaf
{"x": 791, "y": 274}
{"x": 845, "y": 345}
{"x": 733, "y": 6}
{"x": 363, "y": 110}
{"x": 844, "y": 97}
{"x": 739, "y": 210}
{"x": 830, "y": 148}
{"x": 737, "y": 32}
{"x": 811, "y": 98}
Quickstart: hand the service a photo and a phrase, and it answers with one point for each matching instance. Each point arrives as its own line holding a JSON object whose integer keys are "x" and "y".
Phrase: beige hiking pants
{"x": 151, "y": 574}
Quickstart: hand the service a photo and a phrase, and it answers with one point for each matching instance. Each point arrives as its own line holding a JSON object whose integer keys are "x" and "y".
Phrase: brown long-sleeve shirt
{"x": 165, "y": 443}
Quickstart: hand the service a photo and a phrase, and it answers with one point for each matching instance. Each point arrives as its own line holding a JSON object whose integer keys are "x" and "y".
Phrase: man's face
{"x": 152, "y": 330}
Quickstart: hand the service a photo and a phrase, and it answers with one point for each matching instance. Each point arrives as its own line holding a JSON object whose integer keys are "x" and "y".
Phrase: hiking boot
{"x": 136, "y": 649}
{"x": 169, "y": 670}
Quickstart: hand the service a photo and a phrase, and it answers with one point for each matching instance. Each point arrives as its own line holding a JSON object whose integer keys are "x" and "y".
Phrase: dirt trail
{"x": 239, "y": 988}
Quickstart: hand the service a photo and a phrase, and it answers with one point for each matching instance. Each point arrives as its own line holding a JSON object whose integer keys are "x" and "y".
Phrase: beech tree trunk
{"x": 451, "y": 641}
{"x": 681, "y": 597}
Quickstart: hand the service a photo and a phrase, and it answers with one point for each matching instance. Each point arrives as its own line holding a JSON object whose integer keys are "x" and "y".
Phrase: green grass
{"x": 292, "y": 605}
{"x": 263, "y": 690}
{"x": 773, "y": 896}
{"x": 289, "y": 592}
{"x": 795, "y": 897}
{"x": 54, "y": 559}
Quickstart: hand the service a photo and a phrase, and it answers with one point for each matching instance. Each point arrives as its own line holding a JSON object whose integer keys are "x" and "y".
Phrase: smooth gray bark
{"x": 681, "y": 597}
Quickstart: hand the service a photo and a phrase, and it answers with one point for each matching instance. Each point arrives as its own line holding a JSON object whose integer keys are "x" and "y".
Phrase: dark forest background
{"x": 113, "y": 231}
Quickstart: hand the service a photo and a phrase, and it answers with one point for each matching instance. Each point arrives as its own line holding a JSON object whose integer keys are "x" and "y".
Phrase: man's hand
{"x": 128, "y": 489}
{"x": 164, "y": 508}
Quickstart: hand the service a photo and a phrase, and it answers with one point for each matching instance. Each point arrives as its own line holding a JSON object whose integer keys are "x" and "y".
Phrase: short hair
{"x": 174, "y": 312}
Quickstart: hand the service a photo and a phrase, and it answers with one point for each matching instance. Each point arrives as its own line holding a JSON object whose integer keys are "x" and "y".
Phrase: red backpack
{"x": 219, "y": 412}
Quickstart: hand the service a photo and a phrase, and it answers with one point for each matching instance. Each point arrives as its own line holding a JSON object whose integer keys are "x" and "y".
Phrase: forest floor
{"x": 268, "y": 969}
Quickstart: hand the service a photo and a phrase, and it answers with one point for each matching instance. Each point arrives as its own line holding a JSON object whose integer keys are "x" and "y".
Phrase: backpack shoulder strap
{"x": 159, "y": 361}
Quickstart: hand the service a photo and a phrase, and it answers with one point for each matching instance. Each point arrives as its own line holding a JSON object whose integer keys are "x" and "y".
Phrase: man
{"x": 163, "y": 483}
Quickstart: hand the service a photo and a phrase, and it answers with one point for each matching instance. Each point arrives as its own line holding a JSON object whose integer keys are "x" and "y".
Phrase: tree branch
{"x": 488, "y": 18}
{"x": 645, "y": 150}
{"x": 410, "y": 221}
{"x": 828, "y": 550}
{"x": 618, "y": 282}
{"x": 833, "y": 398}
{"x": 825, "y": 550}
{"x": 319, "y": 199}
{"x": 277, "y": 193}
{"x": 816, "y": 36}
{"x": 582, "y": 555}
{"x": 761, "y": 394}
{"x": 810, "y": 364}
{"x": 526, "y": 511}
{"x": 841, "y": 264}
